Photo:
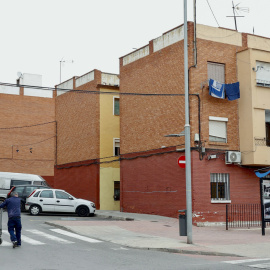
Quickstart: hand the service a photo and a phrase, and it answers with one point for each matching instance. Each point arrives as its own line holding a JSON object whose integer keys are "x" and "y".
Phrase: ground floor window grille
{"x": 220, "y": 186}
{"x": 116, "y": 190}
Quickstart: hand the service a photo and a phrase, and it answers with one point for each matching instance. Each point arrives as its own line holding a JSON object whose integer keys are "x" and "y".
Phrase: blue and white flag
{"x": 216, "y": 89}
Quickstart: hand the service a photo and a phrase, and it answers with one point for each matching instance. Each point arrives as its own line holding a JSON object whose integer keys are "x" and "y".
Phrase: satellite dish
{"x": 19, "y": 74}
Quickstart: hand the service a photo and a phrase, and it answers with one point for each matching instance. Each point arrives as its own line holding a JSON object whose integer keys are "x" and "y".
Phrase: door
{"x": 46, "y": 200}
{"x": 64, "y": 202}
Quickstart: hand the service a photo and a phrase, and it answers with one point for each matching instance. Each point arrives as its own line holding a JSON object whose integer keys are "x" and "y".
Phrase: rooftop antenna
{"x": 64, "y": 61}
{"x": 237, "y": 9}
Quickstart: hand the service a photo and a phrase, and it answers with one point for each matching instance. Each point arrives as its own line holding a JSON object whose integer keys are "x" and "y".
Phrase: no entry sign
{"x": 182, "y": 162}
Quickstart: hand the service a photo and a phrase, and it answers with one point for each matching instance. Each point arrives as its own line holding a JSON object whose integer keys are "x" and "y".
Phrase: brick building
{"x": 27, "y": 138}
{"x": 87, "y": 115}
{"x": 151, "y": 181}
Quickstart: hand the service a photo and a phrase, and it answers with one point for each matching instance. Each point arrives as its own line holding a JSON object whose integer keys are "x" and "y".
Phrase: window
{"x": 262, "y": 74}
{"x": 116, "y": 147}
{"x": 37, "y": 182}
{"x": 116, "y": 195}
{"x": 19, "y": 182}
{"x": 267, "y": 127}
{"x": 116, "y": 106}
{"x": 46, "y": 194}
{"x": 61, "y": 195}
{"x": 36, "y": 194}
{"x": 216, "y": 71}
{"x": 220, "y": 186}
{"x": 218, "y": 129}
{"x": 19, "y": 190}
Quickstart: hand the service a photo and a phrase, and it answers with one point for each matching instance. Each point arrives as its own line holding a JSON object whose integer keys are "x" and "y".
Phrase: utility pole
{"x": 187, "y": 134}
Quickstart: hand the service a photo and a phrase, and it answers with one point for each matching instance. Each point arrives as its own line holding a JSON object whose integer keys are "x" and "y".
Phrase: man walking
{"x": 13, "y": 205}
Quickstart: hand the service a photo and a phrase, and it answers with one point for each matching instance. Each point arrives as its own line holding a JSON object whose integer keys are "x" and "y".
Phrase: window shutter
{"x": 216, "y": 72}
{"x": 218, "y": 129}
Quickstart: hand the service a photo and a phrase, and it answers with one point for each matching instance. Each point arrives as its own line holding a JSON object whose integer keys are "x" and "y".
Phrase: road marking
{"x": 261, "y": 266}
{"x": 121, "y": 248}
{"x": 77, "y": 236}
{"x": 28, "y": 239}
{"x": 5, "y": 244}
{"x": 51, "y": 237}
{"x": 246, "y": 261}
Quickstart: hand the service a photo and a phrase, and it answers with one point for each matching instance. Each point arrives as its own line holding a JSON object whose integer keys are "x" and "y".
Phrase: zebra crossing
{"x": 43, "y": 237}
{"x": 259, "y": 263}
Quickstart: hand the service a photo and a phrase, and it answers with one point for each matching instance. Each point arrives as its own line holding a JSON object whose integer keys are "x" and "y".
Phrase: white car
{"x": 57, "y": 200}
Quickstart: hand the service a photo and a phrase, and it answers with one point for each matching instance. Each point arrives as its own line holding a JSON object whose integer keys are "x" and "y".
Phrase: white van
{"x": 8, "y": 180}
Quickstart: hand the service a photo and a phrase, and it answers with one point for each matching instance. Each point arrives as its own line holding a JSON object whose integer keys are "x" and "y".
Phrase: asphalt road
{"x": 49, "y": 248}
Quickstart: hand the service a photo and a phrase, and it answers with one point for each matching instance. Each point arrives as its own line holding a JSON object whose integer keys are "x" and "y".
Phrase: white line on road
{"x": 51, "y": 237}
{"x": 246, "y": 261}
{"x": 261, "y": 266}
{"x": 77, "y": 236}
{"x": 28, "y": 239}
{"x": 5, "y": 244}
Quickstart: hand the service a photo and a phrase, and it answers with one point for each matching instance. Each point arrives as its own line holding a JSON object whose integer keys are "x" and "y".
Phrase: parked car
{"x": 58, "y": 200}
{"x": 24, "y": 191}
{"x": 9, "y": 180}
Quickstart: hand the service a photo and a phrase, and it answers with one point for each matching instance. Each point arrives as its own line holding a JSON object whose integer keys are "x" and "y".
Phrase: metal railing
{"x": 243, "y": 215}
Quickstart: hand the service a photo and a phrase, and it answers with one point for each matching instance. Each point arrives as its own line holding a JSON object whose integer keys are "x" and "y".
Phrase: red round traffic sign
{"x": 182, "y": 162}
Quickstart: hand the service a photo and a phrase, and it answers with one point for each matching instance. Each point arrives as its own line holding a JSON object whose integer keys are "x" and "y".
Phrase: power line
{"x": 90, "y": 91}
{"x": 121, "y": 157}
{"x": 34, "y": 142}
{"x": 30, "y": 125}
{"x": 212, "y": 12}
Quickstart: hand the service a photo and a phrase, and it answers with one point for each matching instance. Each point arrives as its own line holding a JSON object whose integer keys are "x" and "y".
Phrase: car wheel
{"x": 35, "y": 210}
{"x": 83, "y": 211}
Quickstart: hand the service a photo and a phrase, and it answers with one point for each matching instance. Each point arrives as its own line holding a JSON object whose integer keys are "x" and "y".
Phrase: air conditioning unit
{"x": 232, "y": 157}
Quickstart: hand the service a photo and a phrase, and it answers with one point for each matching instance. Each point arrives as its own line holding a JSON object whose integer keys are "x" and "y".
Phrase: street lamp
{"x": 186, "y": 133}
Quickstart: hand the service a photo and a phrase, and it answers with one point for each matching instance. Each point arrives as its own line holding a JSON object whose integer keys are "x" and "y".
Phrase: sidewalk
{"x": 162, "y": 233}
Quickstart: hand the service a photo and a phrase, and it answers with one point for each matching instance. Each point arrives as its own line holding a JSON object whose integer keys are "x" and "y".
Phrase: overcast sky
{"x": 36, "y": 34}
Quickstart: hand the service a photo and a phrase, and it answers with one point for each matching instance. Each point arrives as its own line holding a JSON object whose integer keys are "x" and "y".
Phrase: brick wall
{"x": 146, "y": 119}
{"x": 77, "y": 116}
{"x": 15, "y": 143}
{"x": 244, "y": 187}
{"x": 80, "y": 179}
{"x": 153, "y": 184}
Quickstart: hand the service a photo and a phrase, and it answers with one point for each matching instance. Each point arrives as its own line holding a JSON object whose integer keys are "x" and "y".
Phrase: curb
{"x": 169, "y": 250}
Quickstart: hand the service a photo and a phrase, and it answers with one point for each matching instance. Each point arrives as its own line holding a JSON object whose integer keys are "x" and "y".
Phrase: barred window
{"x": 220, "y": 186}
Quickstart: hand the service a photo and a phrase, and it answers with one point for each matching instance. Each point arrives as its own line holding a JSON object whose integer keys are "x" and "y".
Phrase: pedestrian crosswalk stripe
{"x": 28, "y": 239}
{"x": 246, "y": 261}
{"x": 5, "y": 244}
{"x": 31, "y": 241}
{"x": 77, "y": 236}
{"x": 51, "y": 237}
{"x": 261, "y": 266}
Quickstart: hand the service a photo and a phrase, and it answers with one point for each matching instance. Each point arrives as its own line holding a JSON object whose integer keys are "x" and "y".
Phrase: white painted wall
{"x": 109, "y": 79}
{"x": 136, "y": 55}
{"x": 85, "y": 79}
{"x": 168, "y": 39}
{"x": 67, "y": 85}
{"x": 12, "y": 90}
